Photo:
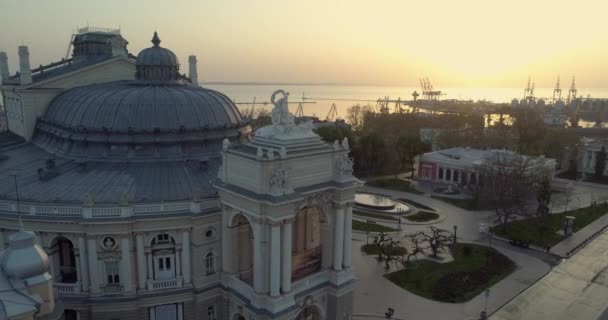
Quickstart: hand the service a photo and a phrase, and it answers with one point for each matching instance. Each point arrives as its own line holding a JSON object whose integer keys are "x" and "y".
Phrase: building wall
{"x": 25, "y": 106}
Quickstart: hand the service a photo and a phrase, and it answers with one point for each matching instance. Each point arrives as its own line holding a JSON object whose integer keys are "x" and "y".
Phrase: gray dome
{"x": 24, "y": 258}
{"x": 156, "y": 55}
{"x": 141, "y": 107}
{"x": 156, "y": 63}
{"x": 139, "y": 121}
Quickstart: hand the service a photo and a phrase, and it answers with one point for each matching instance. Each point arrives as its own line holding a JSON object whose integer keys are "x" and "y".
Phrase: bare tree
{"x": 388, "y": 249}
{"x": 416, "y": 240}
{"x": 507, "y": 183}
{"x": 438, "y": 240}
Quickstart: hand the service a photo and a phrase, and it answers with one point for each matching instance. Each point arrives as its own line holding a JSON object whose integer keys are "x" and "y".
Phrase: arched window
{"x": 210, "y": 263}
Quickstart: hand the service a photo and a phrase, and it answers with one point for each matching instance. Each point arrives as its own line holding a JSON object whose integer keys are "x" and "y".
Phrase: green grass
{"x": 370, "y": 227}
{"x": 374, "y": 215}
{"x": 422, "y": 216}
{"x": 373, "y": 249}
{"x": 528, "y": 230}
{"x": 394, "y": 184}
{"x": 467, "y": 204}
{"x": 416, "y": 204}
{"x": 472, "y": 271}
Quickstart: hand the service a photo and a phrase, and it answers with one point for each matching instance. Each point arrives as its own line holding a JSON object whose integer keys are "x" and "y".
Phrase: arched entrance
{"x": 309, "y": 313}
{"x": 64, "y": 261}
{"x": 242, "y": 248}
{"x": 306, "y": 249}
{"x": 238, "y": 316}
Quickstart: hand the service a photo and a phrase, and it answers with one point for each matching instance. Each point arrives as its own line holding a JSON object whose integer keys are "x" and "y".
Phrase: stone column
{"x": 348, "y": 238}
{"x": 152, "y": 311}
{"x": 178, "y": 262}
{"x": 275, "y": 259}
{"x": 180, "y": 311}
{"x": 93, "y": 264}
{"x": 286, "y": 256}
{"x": 338, "y": 236}
{"x": 150, "y": 266}
{"x": 82, "y": 257}
{"x": 258, "y": 260}
{"x": 126, "y": 271}
{"x": 186, "y": 256}
{"x": 226, "y": 243}
{"x": 141, "y": 261}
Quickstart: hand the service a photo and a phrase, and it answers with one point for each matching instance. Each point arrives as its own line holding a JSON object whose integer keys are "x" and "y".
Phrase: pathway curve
{"x": 374, "y": 294}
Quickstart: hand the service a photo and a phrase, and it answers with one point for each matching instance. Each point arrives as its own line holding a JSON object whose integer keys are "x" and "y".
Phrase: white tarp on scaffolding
{"x": 576, "y": 289}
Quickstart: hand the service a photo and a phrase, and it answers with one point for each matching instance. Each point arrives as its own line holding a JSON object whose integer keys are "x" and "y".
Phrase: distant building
{"x": 589, "y": 148}
{"x": 555, "y": 119}
{"x": 457, "y": 166}
{"x": 26, "y": 288}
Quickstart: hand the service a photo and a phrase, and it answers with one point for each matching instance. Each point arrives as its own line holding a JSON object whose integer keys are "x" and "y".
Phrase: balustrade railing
{"x": 10, "y": 207}
{"x": 310, "y": 281}
{"x": 165, "y": 284}
{"x": 67, "y": 288}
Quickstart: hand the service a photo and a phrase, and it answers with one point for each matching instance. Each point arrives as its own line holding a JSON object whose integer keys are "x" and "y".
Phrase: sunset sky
{"x": 466, "y": 43}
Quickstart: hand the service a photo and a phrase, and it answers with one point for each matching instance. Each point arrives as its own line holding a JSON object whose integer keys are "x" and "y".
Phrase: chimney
{"x": 3, "y": 66}
{"x": 193, "y": 73}
{"x": 24, "y": 65}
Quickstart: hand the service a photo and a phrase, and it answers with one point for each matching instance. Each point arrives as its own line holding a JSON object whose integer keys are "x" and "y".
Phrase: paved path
{"x": 374, "y": 294}
{"x": 580, "y": 237}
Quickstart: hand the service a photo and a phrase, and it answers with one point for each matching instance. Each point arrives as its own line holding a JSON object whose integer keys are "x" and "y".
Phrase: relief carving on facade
{"x": 345, "y": 166}
{"x": 279, "y": 182}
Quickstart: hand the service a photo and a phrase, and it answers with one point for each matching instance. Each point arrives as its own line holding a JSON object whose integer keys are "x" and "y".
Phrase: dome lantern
{"x": 157, "y": 63}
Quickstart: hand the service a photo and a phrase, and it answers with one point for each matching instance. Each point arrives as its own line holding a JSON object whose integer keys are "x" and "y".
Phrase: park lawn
{"x": 394, "y": 184}
{"x": 422, "y": 216}
{"x": 527, "y": 230}
{"x": 374, "y": 215}
{"x": 467, "y": 204}
{"x": 373, "y": 249}
{"x": 472, "y": 271}
{"x": 370, "y": 227}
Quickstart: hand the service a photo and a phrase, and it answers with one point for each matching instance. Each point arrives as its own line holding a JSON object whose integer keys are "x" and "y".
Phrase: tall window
{"x": 112, "y": 272}
{"x": 211, "y": 313}
{"x": 440, "y": 174}
{"x": 210, "y": 263}
{"x": 448, "y": 174}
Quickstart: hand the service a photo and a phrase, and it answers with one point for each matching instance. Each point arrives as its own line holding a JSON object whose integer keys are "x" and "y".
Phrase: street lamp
{"x": 389, "y": 313}
{"x": 455, "y": 229}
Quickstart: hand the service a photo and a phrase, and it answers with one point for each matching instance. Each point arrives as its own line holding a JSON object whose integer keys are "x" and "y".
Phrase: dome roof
{"x": 156, "y": 55}
{"x": 24, "y": 258}
{"x": 133, "y": 106}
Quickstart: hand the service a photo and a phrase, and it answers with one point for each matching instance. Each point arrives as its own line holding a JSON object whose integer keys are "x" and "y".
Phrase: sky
{"x": 465, "y": 43}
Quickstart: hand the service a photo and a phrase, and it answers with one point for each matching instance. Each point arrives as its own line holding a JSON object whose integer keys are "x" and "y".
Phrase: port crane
{"x": 428, "y": 91}
{"x": 529, "y": 91}
{"x": 332, "y": 115}
{"x": 572, "y": 92}
{"x": 557, "y": 91}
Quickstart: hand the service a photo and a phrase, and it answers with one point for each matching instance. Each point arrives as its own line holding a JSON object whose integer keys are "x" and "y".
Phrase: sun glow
{"x": 456, "y": 43}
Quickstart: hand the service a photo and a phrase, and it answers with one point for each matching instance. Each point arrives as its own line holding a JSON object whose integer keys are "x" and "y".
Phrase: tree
{"x": 416, "y": 240}
{"x": 388, "y": 249}
{"x": 438, "y": 240}
{"x": 408, "y": 147}
{"x": 543, "y": 197}
{"x": 355, "y": 116}
{"x": 600, "y": 163}
{"x": 506, "y": 180}
{"x": 263, "y": 118}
